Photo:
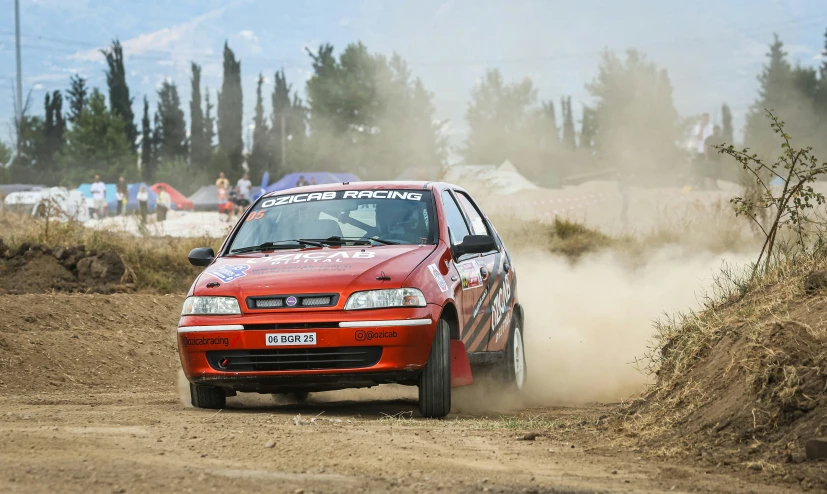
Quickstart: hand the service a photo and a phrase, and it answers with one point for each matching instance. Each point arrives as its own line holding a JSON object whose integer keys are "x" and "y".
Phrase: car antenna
{"x": 383, "y": 277}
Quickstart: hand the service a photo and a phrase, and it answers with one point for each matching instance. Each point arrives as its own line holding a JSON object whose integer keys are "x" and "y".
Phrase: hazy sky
{"x": 713, "y": 49}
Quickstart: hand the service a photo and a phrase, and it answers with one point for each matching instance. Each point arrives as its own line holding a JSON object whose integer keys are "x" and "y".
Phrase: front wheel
{"x": 435, "y": 381}
{"x": 516, "y": 369}
{"x": 207, "y": 397}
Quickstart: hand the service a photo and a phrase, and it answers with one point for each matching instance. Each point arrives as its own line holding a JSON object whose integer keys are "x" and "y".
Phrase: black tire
{"x": 516, "y": 369}
{"x": 435, "y": 380}
{"x": 207, "y": 397}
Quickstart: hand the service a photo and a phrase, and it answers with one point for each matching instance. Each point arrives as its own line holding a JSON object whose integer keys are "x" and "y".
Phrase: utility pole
{"x": 283, "y": 150}
{"x": 19, "y": 77}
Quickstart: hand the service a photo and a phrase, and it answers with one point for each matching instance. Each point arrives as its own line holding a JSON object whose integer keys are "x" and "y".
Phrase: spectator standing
{"x": 222, "y": 186}
{"x": 312, "y": 180}
{"x": 98, "y": 190}
{"x": 302, "y": 182}
{"x": 231, "y": 201}
{"x": 143, "y": 203}
{"x": 244, "y": 187}
{"x": 121, "y": 194}
{"x": 162, "y": 204}
{"x": 713, "y": 158}
{"x": 701, "y": 132}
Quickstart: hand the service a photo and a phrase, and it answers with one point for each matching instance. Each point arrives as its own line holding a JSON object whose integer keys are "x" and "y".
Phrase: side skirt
{"x": 485, "y": 358}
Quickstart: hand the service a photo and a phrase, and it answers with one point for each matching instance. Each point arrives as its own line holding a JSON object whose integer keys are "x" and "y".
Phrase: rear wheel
{"x": 515, "y": 364}
{"x": 435, "y": 381}
{"x": 207, "y": 397}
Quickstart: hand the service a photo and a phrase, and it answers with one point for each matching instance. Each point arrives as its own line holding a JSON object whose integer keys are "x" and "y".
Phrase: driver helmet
{"x": 397, "y": 217}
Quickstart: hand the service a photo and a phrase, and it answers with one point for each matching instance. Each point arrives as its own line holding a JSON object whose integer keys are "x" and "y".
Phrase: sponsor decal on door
{"x": 469, "y": 273}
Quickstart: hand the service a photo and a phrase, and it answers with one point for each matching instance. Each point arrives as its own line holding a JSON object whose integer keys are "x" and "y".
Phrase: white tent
{"x": 58, "y": 202}
{"x": 496, "y": 179}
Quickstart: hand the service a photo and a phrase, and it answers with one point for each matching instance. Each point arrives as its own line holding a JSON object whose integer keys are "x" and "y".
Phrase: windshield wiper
{"x": 383, "y": 241}
{"x": 343, "y": 240}
{"x": 358, "y": 240}
{"x": 278, "y": 244}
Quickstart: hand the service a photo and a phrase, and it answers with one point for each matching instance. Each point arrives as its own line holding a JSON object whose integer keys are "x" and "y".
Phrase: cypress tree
{"x": 199, "y": 148}
{"x": 52, "y": 142}
{"x": 776, "y": 80}
{"x": 551, "y": 120}
{"x": 281, "y": 107}
{"x": 147, "y": 158}
{"x": 588, "y": 129}
{"x": 569, "y": 139}
{"x": 727, "y": 132}
{"x": 259, "y": 159}
{"x": 230, "y": 113}
{"x": 209, "y": 124}
{"x": 119, "y": 101}
{"x": 77, "y": 97}
{"x": 171, "y": 132}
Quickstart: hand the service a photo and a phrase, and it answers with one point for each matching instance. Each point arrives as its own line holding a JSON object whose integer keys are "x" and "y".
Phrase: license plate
{"x": 290, "y": 339}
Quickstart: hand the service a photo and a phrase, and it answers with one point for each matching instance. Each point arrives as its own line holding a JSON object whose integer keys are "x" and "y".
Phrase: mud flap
{"x": 460, "y": 366}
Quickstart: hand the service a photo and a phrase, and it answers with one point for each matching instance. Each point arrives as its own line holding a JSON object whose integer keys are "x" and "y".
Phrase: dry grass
{"x": 704, "y": 225}
{"x": 747, "y": 374}
{"x": 560, "y": 236}
{"x": 158, "y": 263}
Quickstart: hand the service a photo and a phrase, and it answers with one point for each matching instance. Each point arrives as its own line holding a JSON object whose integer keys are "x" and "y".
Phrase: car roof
{"x": 366, "y": 185}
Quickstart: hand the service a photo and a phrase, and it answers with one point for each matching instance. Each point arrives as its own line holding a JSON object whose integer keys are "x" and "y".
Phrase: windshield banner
{"x": 409, "y": 195}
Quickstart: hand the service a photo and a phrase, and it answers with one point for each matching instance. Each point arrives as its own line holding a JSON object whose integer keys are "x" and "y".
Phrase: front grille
{"x": 293, "y": 301}
{"x": 269, "y": 303}
{"x": 294, "y": 359}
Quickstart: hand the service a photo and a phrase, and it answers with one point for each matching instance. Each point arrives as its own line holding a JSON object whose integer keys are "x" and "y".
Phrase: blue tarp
{"x": 86, "y": 189}
{"x": 132, "y": 198}
{"x": 289, "y": 181}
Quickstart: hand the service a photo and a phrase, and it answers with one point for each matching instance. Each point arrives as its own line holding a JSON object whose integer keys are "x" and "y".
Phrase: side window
{"x": 477, "y": 223}
{"x": 456, "y": 223}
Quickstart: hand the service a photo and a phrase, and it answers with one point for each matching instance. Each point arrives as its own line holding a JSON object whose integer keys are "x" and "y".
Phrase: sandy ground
{"x": 91, "y": 403}
{"x": 148, "y": 442}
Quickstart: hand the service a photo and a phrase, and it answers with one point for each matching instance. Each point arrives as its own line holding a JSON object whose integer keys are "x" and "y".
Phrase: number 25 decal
{"x": 255, "y": 215}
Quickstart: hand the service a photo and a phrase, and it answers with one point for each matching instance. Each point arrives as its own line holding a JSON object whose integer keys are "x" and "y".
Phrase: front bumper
{"x": 395, "y": 344}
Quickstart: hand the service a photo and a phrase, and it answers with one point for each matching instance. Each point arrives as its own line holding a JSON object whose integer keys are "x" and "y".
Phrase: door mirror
{"x": 202, "y": 256}
{"x": 476, "y": 244}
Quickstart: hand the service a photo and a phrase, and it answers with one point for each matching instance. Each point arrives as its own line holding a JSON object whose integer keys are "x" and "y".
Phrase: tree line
{"x": 366, "y": 113}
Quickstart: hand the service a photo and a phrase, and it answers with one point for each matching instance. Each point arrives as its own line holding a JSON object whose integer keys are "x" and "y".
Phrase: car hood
{"x": 312, "y": 270}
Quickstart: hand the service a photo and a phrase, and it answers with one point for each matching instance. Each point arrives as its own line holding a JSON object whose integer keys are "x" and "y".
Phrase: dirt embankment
{"x": 39, "y": 268}
{"x": 744, "y": 383}
{"x": 89, "y": 343}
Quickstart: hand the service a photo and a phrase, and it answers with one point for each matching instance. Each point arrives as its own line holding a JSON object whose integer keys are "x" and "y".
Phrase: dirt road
{"x": 91, "y": 404}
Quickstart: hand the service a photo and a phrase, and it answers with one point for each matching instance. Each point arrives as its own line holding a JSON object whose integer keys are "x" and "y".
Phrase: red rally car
{"x": 353, "y": 285}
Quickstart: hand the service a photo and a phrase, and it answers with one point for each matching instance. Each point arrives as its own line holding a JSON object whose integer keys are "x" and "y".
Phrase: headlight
{"x": 375, "y": 299}
{"x": 210, "y": 305}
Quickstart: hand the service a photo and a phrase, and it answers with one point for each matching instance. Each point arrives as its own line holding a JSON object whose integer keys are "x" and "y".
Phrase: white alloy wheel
{"x": 519, "y": 359}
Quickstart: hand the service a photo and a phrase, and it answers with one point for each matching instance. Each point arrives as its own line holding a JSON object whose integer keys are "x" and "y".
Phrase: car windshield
{"x": 341, "y": 217}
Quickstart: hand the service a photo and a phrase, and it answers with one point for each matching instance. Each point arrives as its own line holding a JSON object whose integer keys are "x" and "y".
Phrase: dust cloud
{"x": 184, "y": 389}
{"x": 589, "y": 324}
